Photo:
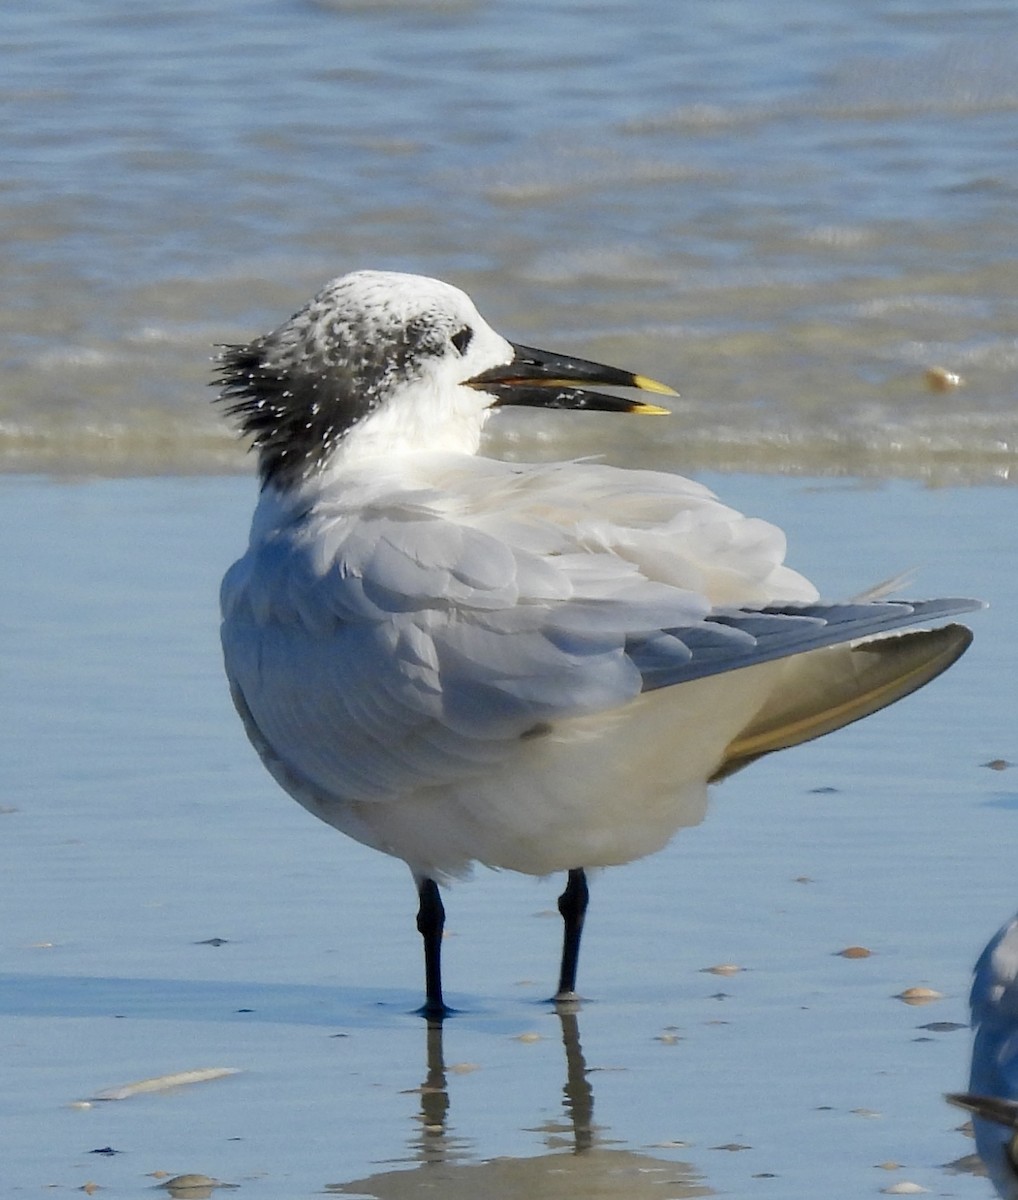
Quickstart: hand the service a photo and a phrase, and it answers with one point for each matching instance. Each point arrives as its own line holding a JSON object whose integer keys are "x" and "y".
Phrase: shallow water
{"x": 790, "y": 215}
{"x": 137, "y": 826}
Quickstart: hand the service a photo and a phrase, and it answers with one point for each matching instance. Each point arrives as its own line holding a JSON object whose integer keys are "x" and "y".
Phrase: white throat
{"x": 426, "y": 418}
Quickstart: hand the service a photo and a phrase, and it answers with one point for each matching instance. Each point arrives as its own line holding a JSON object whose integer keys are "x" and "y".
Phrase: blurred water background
{"x": 793, "y": 213}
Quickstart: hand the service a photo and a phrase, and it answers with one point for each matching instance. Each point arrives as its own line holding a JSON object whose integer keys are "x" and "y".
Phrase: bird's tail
{"x": 828, "y": 688}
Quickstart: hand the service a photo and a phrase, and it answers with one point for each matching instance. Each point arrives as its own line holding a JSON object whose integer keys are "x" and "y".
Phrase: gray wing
{"x": 395, "y": 646}
{"x": 728, "y": 639}
{"x": 394, "y": 651}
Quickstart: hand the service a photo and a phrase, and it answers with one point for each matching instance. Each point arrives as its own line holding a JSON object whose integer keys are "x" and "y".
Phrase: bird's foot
{"x": 435, "y": 1012}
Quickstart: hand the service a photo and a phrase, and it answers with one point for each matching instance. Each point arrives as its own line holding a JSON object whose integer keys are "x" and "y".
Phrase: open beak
{"x": 539, "y": 379}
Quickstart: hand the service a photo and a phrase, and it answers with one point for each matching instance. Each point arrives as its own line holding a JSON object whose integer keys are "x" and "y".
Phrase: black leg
{"x": 572, "y": 904}
{"x": 430, "y": 923}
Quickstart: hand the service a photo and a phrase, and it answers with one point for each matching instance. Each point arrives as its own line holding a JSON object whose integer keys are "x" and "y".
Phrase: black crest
{"x": 291, "y": 418}
{"x": 298, "y": 390}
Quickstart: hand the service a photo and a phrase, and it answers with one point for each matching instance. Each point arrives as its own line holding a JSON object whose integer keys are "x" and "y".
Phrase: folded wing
{"x": 413, "y": 639}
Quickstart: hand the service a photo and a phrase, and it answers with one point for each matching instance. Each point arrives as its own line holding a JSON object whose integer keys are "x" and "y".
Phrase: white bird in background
{"x": 992, "y": 1097}
{"x": 539, "y": 667}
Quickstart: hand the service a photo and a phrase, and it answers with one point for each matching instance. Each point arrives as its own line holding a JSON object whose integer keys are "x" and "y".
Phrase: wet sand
{"x": 166, "y": 908}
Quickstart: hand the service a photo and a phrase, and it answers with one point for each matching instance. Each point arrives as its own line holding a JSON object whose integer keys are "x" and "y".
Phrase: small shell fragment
{"x": 854, "y": 952}
{"x": 904, "y": 1188}
{"x": 193, "y": 1186}
{"x": 722, "y": 969}
{"x": 938, "y": 379}
{"x": 162, "y": 1083}
{"x": 919, "y": 995}
{"x": 527, "y": 1037}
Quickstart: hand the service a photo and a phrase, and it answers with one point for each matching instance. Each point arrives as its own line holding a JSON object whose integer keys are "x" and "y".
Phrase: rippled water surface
{"x": 793, "y": 213}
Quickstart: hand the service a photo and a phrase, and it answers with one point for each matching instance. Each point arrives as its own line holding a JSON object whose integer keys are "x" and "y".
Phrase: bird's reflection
{"x": 577, "y": 1093}
{"x": 581, "y": 1161}
{"x": 575, "y": 1129}
{"x": 434, "y": 1142}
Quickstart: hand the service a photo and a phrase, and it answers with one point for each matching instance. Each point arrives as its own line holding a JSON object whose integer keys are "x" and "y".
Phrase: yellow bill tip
{"x": 654, "y": 410}
{"x": 646, "y": 384}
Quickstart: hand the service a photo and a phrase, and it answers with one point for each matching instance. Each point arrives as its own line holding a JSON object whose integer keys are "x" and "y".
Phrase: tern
{"x": 992, "y": 1097}
{"x": 533, "y": 666}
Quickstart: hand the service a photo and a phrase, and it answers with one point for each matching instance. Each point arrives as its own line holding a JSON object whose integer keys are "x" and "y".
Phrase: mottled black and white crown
{"x": 368, "y": 341}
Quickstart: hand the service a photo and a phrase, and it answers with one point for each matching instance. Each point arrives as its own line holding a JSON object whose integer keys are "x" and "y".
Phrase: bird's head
{"x": 380, "y": 363}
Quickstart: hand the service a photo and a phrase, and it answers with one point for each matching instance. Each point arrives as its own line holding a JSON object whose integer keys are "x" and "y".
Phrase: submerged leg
{"x": 430, "y": 923}
{"x": 572, "y": 904}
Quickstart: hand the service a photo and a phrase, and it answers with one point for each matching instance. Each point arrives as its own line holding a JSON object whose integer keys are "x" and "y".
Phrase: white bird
{"x": 537, "y": 667}
{"x": 992, "y": 1097}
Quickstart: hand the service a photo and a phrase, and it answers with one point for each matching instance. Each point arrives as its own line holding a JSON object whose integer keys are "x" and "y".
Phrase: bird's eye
{"x": 462, "y": 339}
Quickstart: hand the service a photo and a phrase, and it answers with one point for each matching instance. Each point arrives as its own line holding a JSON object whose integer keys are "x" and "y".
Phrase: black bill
{"x": 540, "y": 379}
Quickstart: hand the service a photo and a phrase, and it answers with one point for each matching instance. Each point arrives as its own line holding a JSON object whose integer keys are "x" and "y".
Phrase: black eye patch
{"x": 462, "y": 339}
